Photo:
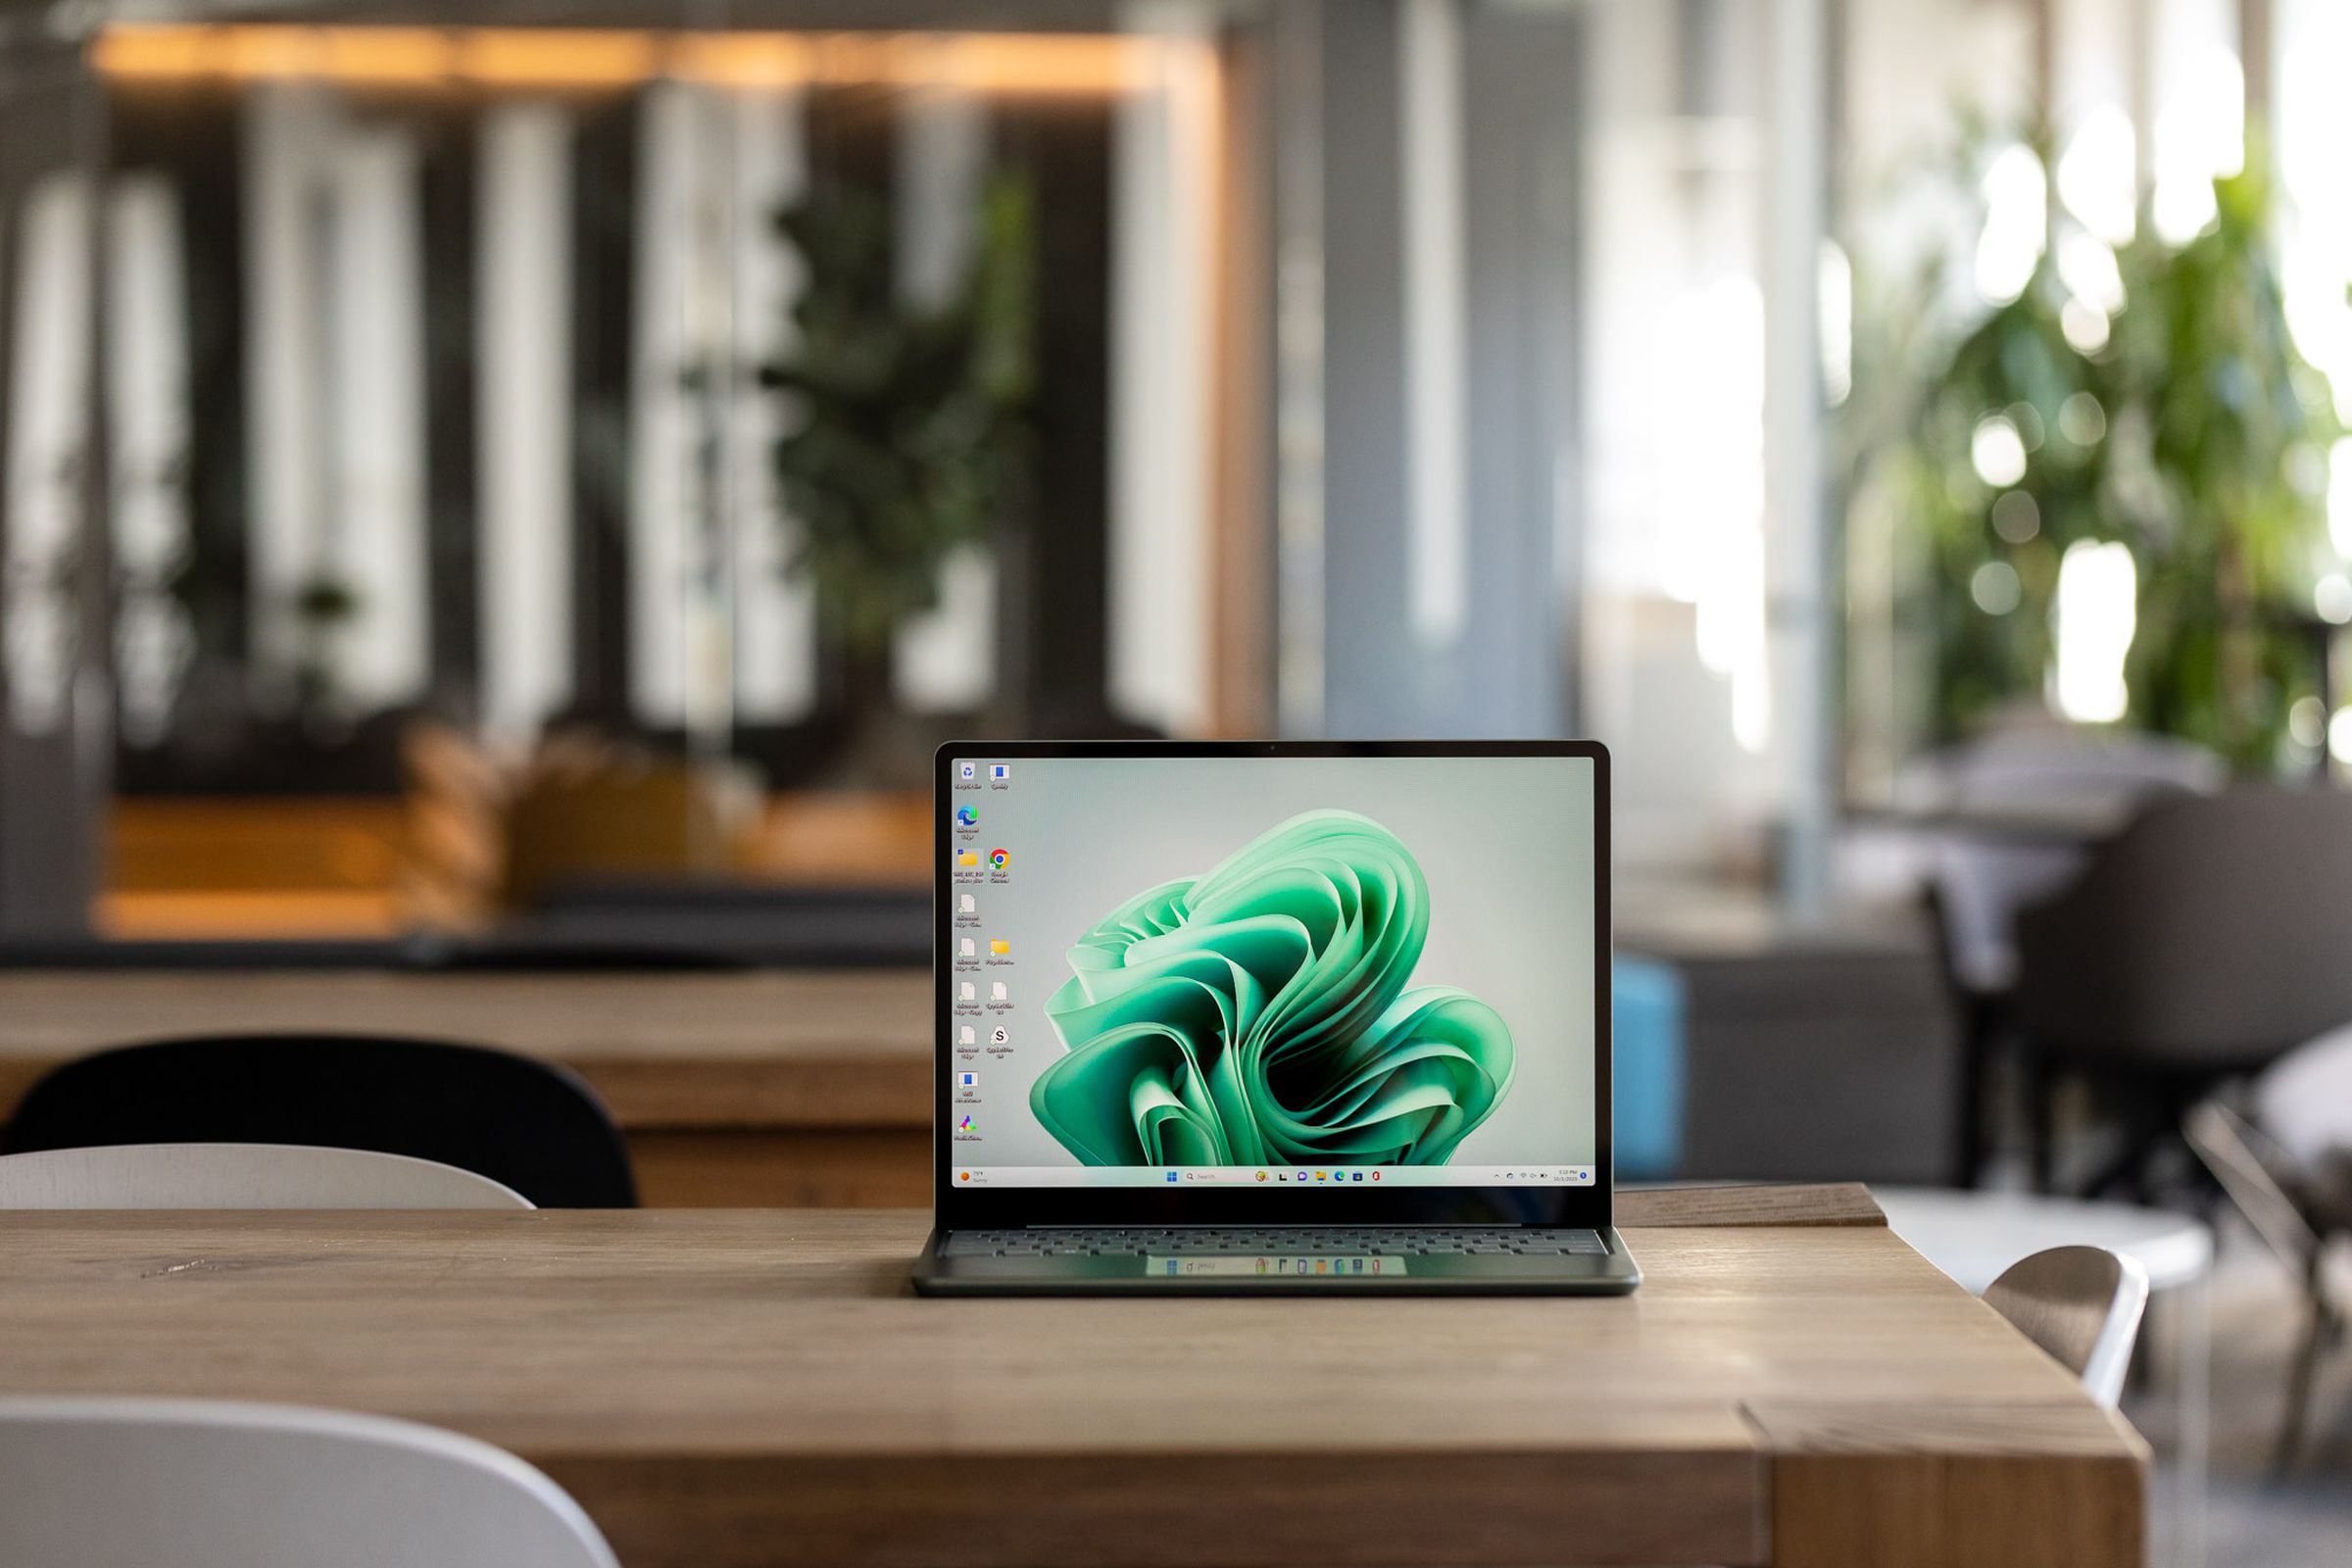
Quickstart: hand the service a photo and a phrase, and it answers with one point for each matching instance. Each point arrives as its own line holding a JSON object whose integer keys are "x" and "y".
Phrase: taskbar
{"x": 1323, "y": 1176}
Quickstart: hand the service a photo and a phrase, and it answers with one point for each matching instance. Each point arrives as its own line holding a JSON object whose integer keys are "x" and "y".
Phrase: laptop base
{"x": 1375, "y": 1266}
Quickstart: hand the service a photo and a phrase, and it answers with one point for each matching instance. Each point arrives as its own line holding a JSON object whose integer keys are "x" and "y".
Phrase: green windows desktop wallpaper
{"x": 1265, "y": 1012}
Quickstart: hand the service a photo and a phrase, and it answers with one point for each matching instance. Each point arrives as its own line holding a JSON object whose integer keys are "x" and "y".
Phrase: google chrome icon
{"x": 1000, "y": 858}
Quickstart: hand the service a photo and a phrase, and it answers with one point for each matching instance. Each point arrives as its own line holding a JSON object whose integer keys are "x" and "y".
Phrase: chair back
{"x": 2288, "y": 1166}
{"x": 240, "y": 1176}
{"x": 531, "y": 1126}
{"x": 2214, "y": 933}
{"x": 1978, "y": 882}
{"x": 2255, "y": 1175}
{"x": 100, "y": 1483}
{"x": 2081, "y": 1305}
{"x": 2304, "y": 1102}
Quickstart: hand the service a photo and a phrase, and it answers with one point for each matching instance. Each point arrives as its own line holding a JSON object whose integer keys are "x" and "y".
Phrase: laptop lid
{"x": 1272, "y": 982}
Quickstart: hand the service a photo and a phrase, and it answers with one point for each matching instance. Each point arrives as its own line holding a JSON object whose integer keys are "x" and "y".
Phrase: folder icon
{"x": 968, "y": 858}
{"x": 998, "y": 945}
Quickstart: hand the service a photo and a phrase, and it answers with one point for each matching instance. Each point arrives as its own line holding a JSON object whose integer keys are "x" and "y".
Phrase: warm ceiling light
{"x": 384, "y": 54}
{"x": 745, "y": 58}
{"x": 548, "y": 57}
{"x": 1012, "y": 64}
{"x": 552, "y": 57}
{"x": 153, "y": 52}
{"x": 254, "y": 51}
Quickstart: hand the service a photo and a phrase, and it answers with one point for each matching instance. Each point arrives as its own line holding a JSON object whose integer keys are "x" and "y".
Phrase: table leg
{"x": 1958, "y": 1510}
{"x": 2193, "y": 1459}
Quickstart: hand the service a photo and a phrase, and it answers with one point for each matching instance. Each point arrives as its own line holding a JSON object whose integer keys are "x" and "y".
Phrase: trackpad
{"x": 1245, "y": 1265}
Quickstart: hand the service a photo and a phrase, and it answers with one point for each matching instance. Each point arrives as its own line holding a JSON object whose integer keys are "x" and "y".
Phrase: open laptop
{"x": 1245, "y": 1018}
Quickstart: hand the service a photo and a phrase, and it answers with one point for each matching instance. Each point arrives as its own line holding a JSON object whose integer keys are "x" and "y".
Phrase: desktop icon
{"x": 968, "y": 858}
{"x": 967, "y": 1080}
{"x": 999, "y": 772}
{"x": 1000, "y": 858}
{"x": 965, "y": 817}
{"x": 967, "y": 904}
{"x": 967, "y": 992}
{"x": 998, "y": 947}
{"x": 967, "y": 1036}
{"x": 967, "y": 771}
{"x": 968, "y": 948}
{"x": 996, "y": 991}
{"x": 997, "y": 1036}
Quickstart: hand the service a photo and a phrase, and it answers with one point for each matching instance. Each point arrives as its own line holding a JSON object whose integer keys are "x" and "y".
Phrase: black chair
{"x": 2208, "y": 939}
{"x": 532, "y": 1125}
{"x": 1979, "y": 874}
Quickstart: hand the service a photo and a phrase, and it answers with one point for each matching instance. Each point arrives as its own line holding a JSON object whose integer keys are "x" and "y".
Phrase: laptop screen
{"x": 1269, "y": 971}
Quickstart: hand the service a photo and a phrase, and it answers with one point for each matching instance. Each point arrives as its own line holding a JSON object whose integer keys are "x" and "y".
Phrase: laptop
{"x": 1249, "y": 1017}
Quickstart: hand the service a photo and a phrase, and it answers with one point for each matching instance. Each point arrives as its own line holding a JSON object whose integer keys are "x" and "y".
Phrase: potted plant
{"x": 910, "y": 432}
{"x": 2183, "y": 425}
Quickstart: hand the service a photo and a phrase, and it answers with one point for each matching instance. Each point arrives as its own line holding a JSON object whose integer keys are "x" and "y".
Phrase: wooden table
{"x": 781, "y": 1086}
{"x": 728, "y": 1389}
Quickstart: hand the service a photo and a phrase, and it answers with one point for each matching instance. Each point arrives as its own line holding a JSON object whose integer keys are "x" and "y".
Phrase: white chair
{"x": 2081, "y": 1305}
{"x": 240, "y": 1176}
{"x": 129, "y": 1482}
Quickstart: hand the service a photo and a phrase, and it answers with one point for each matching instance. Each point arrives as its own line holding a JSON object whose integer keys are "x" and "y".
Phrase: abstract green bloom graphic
{"x": 1259, "y": 1015}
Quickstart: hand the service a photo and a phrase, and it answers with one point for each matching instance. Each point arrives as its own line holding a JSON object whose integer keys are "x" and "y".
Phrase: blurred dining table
{"x": 1792, "y": 1385}
{"x": 2057, "y": 822}
{"x": 763, "y": 1087}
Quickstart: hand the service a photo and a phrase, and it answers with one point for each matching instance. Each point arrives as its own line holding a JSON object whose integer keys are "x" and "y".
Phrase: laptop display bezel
{"x": 962, "y": 1207}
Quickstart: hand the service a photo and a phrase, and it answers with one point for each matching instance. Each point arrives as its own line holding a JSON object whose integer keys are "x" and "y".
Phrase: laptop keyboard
{"x": 1291, "y": 1241}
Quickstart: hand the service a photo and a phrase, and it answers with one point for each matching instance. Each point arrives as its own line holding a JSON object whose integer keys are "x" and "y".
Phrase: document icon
{"x": 967, "y": 904}
{"x": 968, "y": 948}
{"x": 969, "y": 857}
{"x": 967, "y": 1036}
{"x": 966, "y": 992}
{"x": 999, "y": 945}
{"x": 996, "y": 992}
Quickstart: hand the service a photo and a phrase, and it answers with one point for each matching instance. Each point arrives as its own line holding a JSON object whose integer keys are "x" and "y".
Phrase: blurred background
{"x": 429, "y": 434}
{"x": 527, "y": 484}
